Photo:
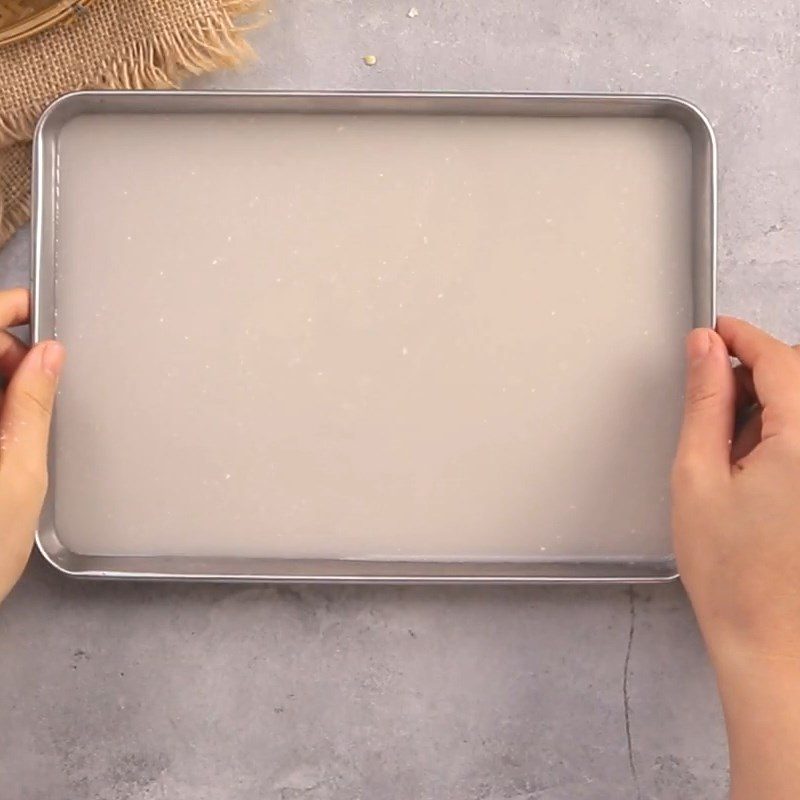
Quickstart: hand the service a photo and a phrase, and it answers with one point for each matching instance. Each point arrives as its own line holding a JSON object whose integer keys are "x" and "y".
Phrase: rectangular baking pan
{"x": 540, "y": 570}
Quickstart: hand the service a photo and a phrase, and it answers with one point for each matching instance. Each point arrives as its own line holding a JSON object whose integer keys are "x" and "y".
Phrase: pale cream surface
{"x": 370, "y": 336}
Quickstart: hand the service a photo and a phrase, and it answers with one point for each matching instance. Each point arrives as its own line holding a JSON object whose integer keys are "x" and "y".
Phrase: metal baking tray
{"x": 565, "y": 568}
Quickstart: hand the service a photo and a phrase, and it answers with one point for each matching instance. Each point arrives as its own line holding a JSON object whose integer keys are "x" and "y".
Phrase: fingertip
{"x": 45, "y": 357}
{"x": 702, "y": 343}
{"x": 726, "y": 325}
{"x": 52, "y": 357}
{"x": 718, "y": 346}
{"x": 19, "y": 296}
{"x": 698, "y": 344}
{"x": 14, "y": 307}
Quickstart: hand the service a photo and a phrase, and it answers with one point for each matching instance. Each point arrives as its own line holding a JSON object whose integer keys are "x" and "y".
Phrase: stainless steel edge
{"x": 43, "y": 270}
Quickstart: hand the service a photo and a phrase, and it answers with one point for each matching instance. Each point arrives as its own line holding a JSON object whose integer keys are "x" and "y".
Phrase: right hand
{"x": 736, "y": 502}
{"x": 736, "y": 519}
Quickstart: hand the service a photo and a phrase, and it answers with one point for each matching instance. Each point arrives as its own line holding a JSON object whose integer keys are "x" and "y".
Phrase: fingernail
{"x": 698, "y": 344}
{"x": 53, "y": 358}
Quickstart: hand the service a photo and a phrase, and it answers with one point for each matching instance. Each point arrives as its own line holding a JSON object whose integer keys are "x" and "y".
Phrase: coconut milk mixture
{"x": 370, "y": 336}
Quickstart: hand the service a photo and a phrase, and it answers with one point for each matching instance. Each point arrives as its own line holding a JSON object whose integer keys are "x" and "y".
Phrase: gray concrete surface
{"x": 127, "y": 692}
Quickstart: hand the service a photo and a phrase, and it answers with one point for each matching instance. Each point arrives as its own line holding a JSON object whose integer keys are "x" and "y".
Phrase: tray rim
{"x": 346, "y": 571}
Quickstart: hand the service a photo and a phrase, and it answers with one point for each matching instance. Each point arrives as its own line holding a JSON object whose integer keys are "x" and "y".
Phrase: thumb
{"x": 705, "y": 442}
{"x": 27, "y": 410}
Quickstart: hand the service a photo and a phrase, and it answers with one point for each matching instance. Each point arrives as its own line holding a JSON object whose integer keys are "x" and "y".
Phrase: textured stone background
{"x": 127, "y": 692}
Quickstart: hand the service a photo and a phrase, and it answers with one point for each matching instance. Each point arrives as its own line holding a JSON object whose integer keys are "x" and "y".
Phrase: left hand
{"x": 26, "y": 407}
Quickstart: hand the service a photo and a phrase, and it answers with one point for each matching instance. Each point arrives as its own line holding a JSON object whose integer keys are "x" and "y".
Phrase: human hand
{"x": 736, "y": 521}
{"x": 25, "y": 411}
{"x": 736, "y": 504}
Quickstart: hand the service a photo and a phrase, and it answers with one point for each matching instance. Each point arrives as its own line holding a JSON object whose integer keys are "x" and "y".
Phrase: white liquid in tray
{"x": 370, "y": 336}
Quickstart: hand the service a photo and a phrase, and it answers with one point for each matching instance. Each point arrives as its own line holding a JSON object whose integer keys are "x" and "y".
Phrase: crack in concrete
{"x": 626, "y": 700}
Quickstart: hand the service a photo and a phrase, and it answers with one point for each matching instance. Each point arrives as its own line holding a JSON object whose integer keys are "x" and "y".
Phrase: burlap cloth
{"x": 111, "y": 44}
